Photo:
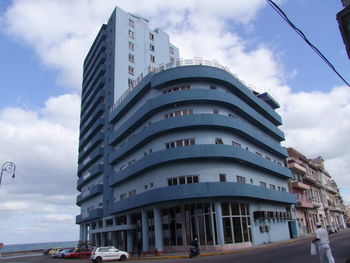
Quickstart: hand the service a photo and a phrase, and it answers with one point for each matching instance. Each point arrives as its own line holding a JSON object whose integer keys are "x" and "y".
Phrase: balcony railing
{"x": 295, "y": 166}
{"x": 177, "y": 63}
{"x": 299, "y": 185}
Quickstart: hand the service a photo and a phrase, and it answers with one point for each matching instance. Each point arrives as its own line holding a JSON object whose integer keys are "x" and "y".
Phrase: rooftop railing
{"x": 177, "y": 63}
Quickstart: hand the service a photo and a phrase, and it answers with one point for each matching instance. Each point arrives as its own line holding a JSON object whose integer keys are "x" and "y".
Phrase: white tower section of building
{"x": 136, "y": 48}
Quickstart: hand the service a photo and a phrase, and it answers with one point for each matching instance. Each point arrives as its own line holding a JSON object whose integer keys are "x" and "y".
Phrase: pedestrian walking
{"x": 322, "y": 242}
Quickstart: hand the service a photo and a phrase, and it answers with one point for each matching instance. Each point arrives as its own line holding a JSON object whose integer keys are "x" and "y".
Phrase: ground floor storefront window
{"x": 236, "y": 222}
{"x": 182, "y": 223}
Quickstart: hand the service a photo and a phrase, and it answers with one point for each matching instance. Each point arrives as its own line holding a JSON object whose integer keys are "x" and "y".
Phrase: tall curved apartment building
{"x": 183, "y": 150}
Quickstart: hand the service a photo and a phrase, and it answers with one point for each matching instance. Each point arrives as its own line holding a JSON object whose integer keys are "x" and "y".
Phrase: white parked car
{"x": 102, "y": 254}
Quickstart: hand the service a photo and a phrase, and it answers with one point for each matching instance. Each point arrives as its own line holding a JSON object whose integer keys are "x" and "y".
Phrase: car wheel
{"x": 122, "y": 258}
{"x": 98, "y": 260}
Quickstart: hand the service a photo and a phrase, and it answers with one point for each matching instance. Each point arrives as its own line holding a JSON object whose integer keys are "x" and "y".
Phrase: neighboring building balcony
{"x": 292, "y": 164}
{"x": 88, "y": 161}
{"x": 90, "y": 175}
{"x": 331, "y": 189}
{"x": 204, "y": 152}
{"x": 303, "y": 202}
{"x": 95, "y": 190}
{"x": 299, "y": 185}
{"x": 88, "y": 216}
{"x": 317, "y": 204}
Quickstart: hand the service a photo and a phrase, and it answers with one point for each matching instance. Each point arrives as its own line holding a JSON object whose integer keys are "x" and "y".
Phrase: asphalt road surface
{"x": 298, "y": 251}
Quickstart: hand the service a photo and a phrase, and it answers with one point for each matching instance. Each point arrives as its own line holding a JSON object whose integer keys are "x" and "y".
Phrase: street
{"x": 298, "y": 251}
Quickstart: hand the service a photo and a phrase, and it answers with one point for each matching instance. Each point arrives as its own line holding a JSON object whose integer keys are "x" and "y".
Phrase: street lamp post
{"x": 9, "y": 167}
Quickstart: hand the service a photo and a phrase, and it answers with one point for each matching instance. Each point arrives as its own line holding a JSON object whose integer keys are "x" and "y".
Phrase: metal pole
{"x": 9, "y": 167}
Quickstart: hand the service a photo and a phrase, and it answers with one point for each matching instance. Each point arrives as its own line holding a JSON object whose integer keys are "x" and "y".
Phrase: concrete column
{"x": 129, "y": 237}
{"x": 219, "y": 226}
{"x": 81, "y": 232}
{"x": 158, "y": 229}
{"x": 99, "y": 239}
{"x": 145, "y": 232}
{"x": 114, "y": 238}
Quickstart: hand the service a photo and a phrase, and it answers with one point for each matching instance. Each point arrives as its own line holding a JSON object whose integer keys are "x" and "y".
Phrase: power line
{"x": 301, "y": 34}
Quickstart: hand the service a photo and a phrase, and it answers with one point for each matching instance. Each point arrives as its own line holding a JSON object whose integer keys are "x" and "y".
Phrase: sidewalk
{"x": 215, "y": 253}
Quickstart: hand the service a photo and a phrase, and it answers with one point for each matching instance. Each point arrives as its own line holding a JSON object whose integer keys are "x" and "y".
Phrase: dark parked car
{"x": 46, "y": 251}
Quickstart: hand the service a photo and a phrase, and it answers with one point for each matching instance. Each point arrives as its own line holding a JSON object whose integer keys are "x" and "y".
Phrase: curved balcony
{"x": 92, "y": 105}
{"x": 199, "y": 152}
{"x": 197, "y": 96}
{"x": 88, "y": 216}
{"x": 202, "y": 69}
{"x": 201, "y": 191}
{"x": 95, "y": 190}
{"x": 195, "y": 121}
{"x": 90, "y": 175}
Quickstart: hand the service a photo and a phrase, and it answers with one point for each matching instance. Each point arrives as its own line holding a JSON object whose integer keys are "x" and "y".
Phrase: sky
{"x": 42, "y": 47}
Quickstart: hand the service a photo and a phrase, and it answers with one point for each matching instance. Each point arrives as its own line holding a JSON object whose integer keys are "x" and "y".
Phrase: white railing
{"x": 177, "y": 63}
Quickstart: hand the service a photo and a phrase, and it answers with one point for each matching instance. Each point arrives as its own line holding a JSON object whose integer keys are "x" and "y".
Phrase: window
{"x": 131, "y": 58}
{"x": 178, "y": 113}
{"x": 180, "y": 143}
{"x": 146, "y": 186}
{"x": 259, "y": 154}
{"x": 240, "y": 179}
{"x": 152, "y": 58}
{"x": 151, "y": 47}
{"x": 188, "y": 179}
{"x": 172, "y": 60}
{"x": 130, "y": 83}
{"x": 151, "y": 185}
{"x": 236, "y": 144}
{"x": 131, "y": 23}
{"x": 263, "y": 184}
{"x": 131, "y": 34}
{"x": 213, "y": 87}
{"x": 171, "y": 49}
{"x": 131, "y": 70}
{"x": 283, "y": 189}
{"x": 268, "y": 158}
{"x": 183, "y": 87}
{"x": 123, "y": 196}
{"x": 251, "y": 181}
{"x": 151, "y": 36}
{"x": 132, "y": 193}
{"x": 219, "y": 141}
{"x": 131, "y": 46}
{"x": 272, "y": 186}
{"x": 222, "y": 177}
{"x": 215, "y": 111}
{"x": 231, "y": 115}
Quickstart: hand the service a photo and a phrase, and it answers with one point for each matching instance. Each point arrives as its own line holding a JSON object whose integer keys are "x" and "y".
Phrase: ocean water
{"x": 37, "y": 246}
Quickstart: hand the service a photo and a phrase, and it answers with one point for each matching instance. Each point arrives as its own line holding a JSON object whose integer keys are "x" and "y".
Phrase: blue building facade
{"x": 187, "y": 150}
